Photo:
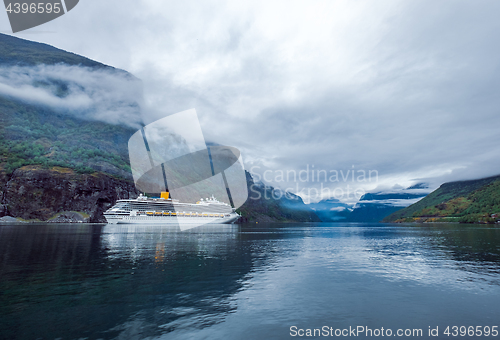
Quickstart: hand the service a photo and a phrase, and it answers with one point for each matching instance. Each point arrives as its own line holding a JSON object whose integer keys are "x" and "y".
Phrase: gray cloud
{"x": 95, "y": 94}
{"x": 406, "y": 88}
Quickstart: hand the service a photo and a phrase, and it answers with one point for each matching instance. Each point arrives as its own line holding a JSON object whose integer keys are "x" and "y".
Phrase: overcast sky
{"x": 406, "y": 88}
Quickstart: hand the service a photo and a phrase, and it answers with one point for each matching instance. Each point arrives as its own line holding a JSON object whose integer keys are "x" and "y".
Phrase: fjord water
{"x": 244, "y": 281}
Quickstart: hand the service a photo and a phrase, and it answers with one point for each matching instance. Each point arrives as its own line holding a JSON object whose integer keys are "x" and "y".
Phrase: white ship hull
{"x": 171, "y": 220}
{"x": 166, "y": 211}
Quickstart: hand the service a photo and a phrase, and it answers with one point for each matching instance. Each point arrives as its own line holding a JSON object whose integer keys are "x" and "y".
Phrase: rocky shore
{"x": 34, "y": 193}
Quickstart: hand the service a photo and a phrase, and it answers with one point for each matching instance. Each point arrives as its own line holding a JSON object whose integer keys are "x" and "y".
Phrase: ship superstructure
{"x": 165, "y": 210}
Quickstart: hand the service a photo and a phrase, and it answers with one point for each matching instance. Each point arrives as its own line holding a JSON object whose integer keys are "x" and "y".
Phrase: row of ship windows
{"x": 178, "y": 214}
{"x": 191, "y": 206}
{"x": 128, "y": 209}
{"x": 144, "y": 210}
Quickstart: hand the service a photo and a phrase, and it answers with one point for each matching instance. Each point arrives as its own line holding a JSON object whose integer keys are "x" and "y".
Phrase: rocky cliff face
{"x": 32, "y": 193}
{"x": 373, "y": 207}
{"x": 267, "y": 204}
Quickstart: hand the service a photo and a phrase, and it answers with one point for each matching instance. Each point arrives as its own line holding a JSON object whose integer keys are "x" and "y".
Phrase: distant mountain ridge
{"x": 470, "y": 201}
{"x": 331, "y": 210}
{"x": 371, "y": 207}
{"x": 380, "y": 196}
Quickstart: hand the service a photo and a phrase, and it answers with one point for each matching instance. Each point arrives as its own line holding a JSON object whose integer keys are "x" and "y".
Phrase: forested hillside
{"x": 464, "y": 201}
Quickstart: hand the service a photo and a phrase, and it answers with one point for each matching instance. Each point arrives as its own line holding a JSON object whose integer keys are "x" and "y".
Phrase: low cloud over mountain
{"x": 102, "y": 94}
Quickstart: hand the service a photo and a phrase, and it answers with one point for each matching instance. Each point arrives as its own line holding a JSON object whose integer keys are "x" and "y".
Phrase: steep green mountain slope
{"x": 32, "y": 134}
{"x": 15, "y": 51}
{"x": 464, "y": 201}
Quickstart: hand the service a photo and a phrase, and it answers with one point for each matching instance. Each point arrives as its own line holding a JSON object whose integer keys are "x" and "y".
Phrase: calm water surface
{"x": 244, "y": 282}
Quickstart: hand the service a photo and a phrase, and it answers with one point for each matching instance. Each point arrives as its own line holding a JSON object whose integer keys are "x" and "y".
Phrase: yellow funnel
{"x": 164, "y": 194}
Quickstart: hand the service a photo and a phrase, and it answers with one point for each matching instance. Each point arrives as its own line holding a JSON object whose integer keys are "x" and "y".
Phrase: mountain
{"x": 53, "y": 131}
{"x": 463, "y": 201}
{"x": 373, "y": 207}
{"x": 62, "y": 160}
{"x": 418, "y": 186}
{"x": 54, "y": 159}
{"x": 15, "y": 51}
{"x": 331, "y": 210}
{"x": 267, "y": 204}
{"x": 59, "y": 194}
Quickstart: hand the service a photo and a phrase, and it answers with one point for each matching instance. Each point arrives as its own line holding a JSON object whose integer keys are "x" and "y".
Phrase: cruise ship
{"x": 165, "y": 210}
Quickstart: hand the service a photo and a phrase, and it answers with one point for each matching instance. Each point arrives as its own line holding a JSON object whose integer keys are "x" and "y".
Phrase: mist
{"x": 107, "y": 95}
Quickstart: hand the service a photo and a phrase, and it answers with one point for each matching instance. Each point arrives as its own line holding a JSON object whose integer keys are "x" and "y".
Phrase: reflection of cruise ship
{"x": 165, "y": 210}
